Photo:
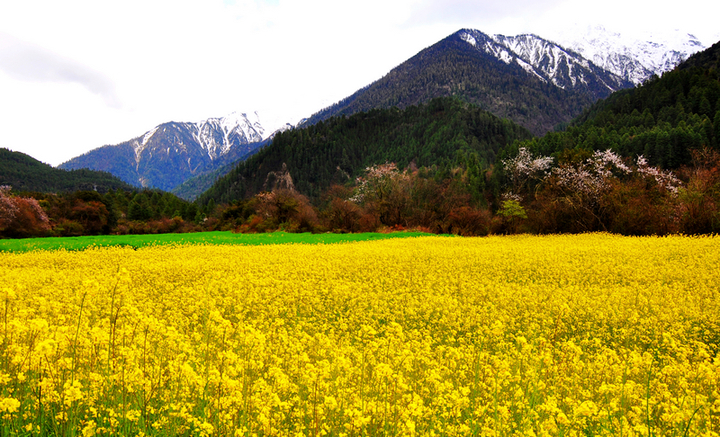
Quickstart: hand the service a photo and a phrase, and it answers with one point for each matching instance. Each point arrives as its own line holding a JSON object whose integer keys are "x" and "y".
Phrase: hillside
{"x": 664, "y": 119}
{"x": 196, "y": 185}
{"x": 707, "y": 59}
{"x": 338, "y": 150}
{"x": 526, "y": 79}
{"x": 24, "y": 173}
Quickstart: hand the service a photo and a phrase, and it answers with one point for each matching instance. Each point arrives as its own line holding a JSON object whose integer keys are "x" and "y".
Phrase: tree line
{"x": 582, "y": 191}
{"x": 337, "y": 151}
{"x": 36, "y": 214}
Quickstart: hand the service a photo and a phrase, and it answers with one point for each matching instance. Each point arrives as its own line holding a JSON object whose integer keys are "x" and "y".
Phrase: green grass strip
{"x": 215, "y": 237}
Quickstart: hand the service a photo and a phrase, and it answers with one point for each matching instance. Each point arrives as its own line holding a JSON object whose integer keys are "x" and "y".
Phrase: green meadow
{"x": 215, "y": 237}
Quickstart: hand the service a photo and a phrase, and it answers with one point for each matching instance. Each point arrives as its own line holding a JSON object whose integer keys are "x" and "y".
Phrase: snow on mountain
{"x": 546, "y": 60}
{"x": 635, "y": 57}
{"x": 171, "y": 153}
{"x": 215, "y": 136}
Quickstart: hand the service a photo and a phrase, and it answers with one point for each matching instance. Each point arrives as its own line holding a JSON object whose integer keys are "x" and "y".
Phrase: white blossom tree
{"x": 664, "y": 179}
{"x": 584, "y": 186}
{"x": 525, "y": 167}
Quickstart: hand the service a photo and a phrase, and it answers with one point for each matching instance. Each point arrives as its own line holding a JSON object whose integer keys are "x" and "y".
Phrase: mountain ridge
{"x": 171, "y": 153}
{"x": 548, "y": 61}
{"x": 633, "y": 57}
{"x": 487, "y": 72}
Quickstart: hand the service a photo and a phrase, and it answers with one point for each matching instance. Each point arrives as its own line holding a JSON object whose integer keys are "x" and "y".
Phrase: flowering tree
{"x": 21, "y": 216}
{"x": 377, "y": 182}
{"x": 664, "y": 179}
{"x": 384, "y": 192}
{"x": 525, "y": 167}
{"x": 595, "y": 175}
{"x": 592, "y": 177}
{"x": 604, "y": 192}
{"x": 8, "y": 207}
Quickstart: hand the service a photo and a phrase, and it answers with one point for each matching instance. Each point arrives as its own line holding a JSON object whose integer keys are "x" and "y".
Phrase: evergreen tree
{"x": 138, "y": 208}
{"x": 339, "y": 149}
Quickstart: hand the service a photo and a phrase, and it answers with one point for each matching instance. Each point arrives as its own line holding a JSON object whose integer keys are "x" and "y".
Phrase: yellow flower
{"x": 72, "y": 392}
{"x": 425, "y": 336}
{"x": 587, "y": 408}
{"x": 133, "y": 415}
{"x": 9, "y": 405}
{"x": 89, "y": 429}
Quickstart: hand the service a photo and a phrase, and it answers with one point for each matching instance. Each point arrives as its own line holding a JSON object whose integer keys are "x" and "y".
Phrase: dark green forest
{"x": 24, "y": 173}
{"x": 664, "y": 119}
{"x": 443, "y": 134}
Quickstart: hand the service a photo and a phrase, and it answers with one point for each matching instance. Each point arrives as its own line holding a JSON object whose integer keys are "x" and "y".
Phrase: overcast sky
{"x": 80, "y": 74}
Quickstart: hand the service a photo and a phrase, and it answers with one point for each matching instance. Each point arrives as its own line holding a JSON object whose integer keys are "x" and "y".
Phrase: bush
{"x": 21, "y": 216}
{"x": 467, "y": 221}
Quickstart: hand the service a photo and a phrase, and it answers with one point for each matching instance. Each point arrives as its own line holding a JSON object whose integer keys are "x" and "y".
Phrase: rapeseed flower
{"x": 573, "y": 335}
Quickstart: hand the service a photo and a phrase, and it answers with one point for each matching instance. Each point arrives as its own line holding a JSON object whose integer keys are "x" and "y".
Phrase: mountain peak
{"x": 546, "y": 60}
{"x": 170, "y": 153}
{"x": 634, "y": 56}
{"x": 527, "y": 79}
{"x": 218, "y": 135}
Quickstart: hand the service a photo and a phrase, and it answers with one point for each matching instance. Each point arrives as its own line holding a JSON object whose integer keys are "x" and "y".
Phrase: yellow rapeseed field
{"x": 497, "y": 336}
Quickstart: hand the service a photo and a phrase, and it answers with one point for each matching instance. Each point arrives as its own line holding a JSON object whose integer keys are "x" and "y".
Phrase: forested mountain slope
{"x": 664, "y": 119}
{"x": 437, "y": 133}
{"x": 531, "y": 81}
{"x": 25, "y": 173}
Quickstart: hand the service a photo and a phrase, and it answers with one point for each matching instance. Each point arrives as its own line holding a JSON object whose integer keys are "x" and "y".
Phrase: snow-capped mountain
{"x": 633, "y": 57}
{"x": 215, "y": 136}
{"x": 169, "y": 154}
{"x": 547, "y": 61}
{"x": 526, "y": 79}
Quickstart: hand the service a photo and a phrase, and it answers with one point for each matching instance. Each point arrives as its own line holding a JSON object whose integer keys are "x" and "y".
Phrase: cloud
{"x": 473, "y": 11}
{"x": 28, "y": 62}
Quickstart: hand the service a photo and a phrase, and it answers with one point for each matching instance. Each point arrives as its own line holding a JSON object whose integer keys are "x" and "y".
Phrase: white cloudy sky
{"x": 79, "y": 74}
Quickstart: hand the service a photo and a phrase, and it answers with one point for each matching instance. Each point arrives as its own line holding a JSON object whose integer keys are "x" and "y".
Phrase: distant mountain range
{"x": 634, "y": 58}
{"x": 548, "y": 62}
{"x": 529, "y": 80}
{"x": 172, "y": 153}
